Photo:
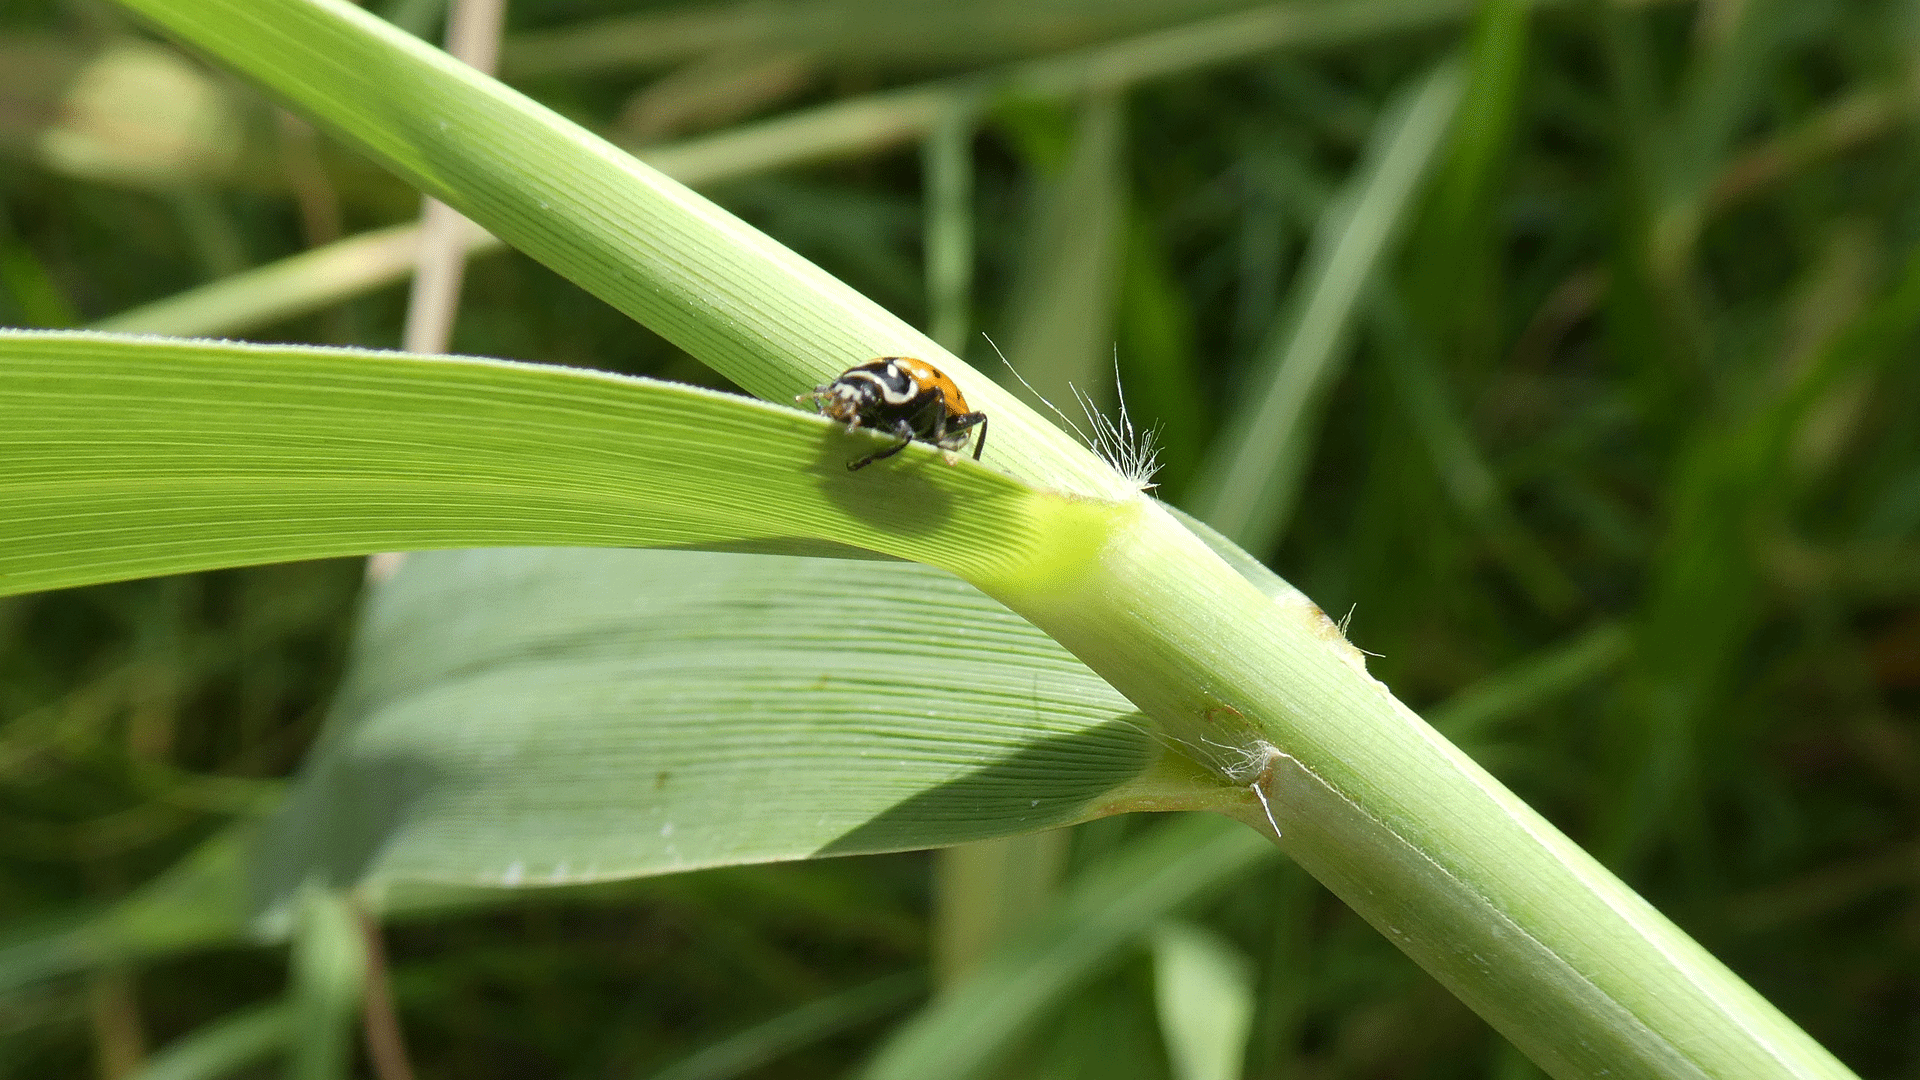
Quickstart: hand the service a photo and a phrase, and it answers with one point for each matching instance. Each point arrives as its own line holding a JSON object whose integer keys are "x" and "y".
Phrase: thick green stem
{"x": 1484, "y": 893}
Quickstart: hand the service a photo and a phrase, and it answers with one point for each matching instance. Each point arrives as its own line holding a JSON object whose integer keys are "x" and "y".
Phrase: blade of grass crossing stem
{"x": 770, "y": 1040}
{"x": 1717, "y": 100}
{"x": 693, "y": 273}
{"x": 1253, "y": 475}
{"x": 1454, "y": 255}
{"x": 967, "y": 1031}
{"x": 1159, "y": 354}
{"x": 985, "y": 891}
{"x": 224, "y": 1046}
{"x": 291, "y": 287}
{"x": 1203, "y": 990}
{"x": 201, "y": 900}
{"x": 1465, "y": 475}
{"x": 1469, "y": 715}
{"x": 302, "y": 283}
{"x": 1206, "y": 41}
{"x": 645, "y": 41}
{"x": 1706, "y": 592}
{"x": 314, "y": 279}
{"x": 1061, "y": 337}
{"x": 946, "y": 162}
{"x": 327, "y": 970}
{"x": 870, "y": 35}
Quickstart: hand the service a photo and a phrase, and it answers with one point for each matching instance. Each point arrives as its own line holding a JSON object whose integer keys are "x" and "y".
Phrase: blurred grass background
{"x": 1610, "y": 449}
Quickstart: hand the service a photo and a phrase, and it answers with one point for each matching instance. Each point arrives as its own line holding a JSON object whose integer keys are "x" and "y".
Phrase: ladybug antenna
{"x": 1042, "y": 398}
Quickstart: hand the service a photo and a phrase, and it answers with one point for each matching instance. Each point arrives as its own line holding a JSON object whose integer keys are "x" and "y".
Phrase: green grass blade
{"x": 1416, "y": 837}
{"x": 323, "y": 276}
{"x": 986, "y": 890}
{"x": 327, "y": 974}
{"x": 1061, "y": 336}
{"x": 292, "y": 286}
{"x": 201, "y": 901}
{"x": 1705, "y": 595}
{"x": 946, "y": 165}
{"x": 1463, "y": 472}
{"x": 129, "y": 457}
{"x": 1559, "y": 669}
{"x": 1254, "y": 472}
{"x": 1458, "y": 247}
{"x": 1159, "y": 351}
{"x": 765, "y": 1042}
{"x": 1716, "y": 101}
{"x": 1516, "y": 920}
{"x": 25, "y": 282}
{"x": 1103, "y": 914}
{"x": 871, "y": 33}
{"x": 1203, "y": 989}
{"x": 224, "y": 1046}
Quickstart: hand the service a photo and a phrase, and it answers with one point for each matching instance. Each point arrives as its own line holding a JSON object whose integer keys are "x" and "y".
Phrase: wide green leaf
{"x": 553, "y": 716}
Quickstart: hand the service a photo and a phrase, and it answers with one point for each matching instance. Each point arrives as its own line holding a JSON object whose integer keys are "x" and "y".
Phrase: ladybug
{"x": 904, "y": 397}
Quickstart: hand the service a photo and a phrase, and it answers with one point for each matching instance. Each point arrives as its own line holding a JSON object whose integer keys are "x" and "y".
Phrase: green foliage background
{"x": 1615, "y": 465}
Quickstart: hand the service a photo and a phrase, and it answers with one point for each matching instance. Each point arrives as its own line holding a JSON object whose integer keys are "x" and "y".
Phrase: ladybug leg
{"x": 902, "y": 431}
{"x": 966, "y": 421}
{"x": 938, "y": 408}
{"x": 949, "y": 432}
{"x": 935, "y": 418}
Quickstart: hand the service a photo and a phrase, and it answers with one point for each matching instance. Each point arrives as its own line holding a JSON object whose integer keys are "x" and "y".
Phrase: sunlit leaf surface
{"x": 531, "y": 716}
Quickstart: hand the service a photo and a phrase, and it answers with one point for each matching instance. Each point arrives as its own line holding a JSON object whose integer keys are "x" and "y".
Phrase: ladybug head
{"x": 860, "y": 390}
{"x": 845, "y": 399}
